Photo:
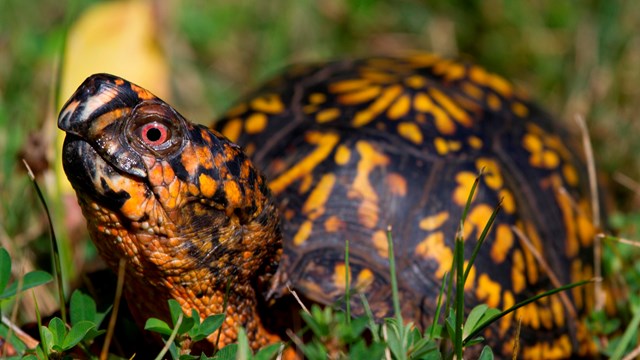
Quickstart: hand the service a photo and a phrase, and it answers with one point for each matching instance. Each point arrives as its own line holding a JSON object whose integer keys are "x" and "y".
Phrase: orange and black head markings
{"x": 167, "y": 195}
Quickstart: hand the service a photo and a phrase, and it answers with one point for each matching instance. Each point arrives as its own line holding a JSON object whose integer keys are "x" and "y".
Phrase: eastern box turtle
{"x": 329, "y": 153}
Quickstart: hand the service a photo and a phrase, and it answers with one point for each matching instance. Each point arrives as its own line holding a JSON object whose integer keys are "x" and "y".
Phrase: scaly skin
{"x": 179, "y": 203}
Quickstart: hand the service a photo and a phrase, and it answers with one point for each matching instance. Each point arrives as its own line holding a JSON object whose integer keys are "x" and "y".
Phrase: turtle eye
{"x": 155, "y": 134}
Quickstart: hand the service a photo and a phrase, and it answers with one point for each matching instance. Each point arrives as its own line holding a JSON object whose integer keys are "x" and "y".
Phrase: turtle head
{"x": 181, "y": 203}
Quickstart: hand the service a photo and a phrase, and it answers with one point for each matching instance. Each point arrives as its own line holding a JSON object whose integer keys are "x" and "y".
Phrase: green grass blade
{"x": 459, "y": 300}
{"x": 372, "y": 323}
{"x": 347, "y": 282}
{"x": 515, "y": 307}
{"x": 627, "y": 336}
{"x": 438, "y": 306}
{"x": 172, "y": 337}
{"x": 459, "y": 233}
{"x": 394, "y": 283}
{"x": 54, "y": 246}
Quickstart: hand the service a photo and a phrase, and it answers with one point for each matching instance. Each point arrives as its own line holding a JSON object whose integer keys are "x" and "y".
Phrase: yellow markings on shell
{"x": 532, "y": 143}
{"x": 576, "y": 275}
{"x": 550, "y": 159}
{"x": 270, "y": 104}
{"x": 255, "y": 123}
{"x": 361, "y": 188}
{"x": 415, "y": 81}
{"x": 434, "y": 222}
{"x": 237, "y": 110}
{"x": 340, "y": 276}
{"x": 343, "y": 154}
{"x": 559, "y": 348}
{"x": 423, "y": 103}
{"x": 315, "y": 204}
{"x": 532, "y": 263}
{"x": 434, "y": 248}
{"x": 442, "y": 121}
{"x": 399, "y": 108}
{"x": 519, "y": 109}
{"x": 492, "y": 176}
{"x": 305, "y": 183}
{"x": 424, "y": 59}
{"x": 380, "y": 104}
{"x": 326, "y": 115}
{"x": 546, "y": 317}
{"x": 349, "y": 85}
{"x": 475, "y": 142}
{"x": 325, "y": 142}
{"x": 471, "y": 278}
{"x": 502, "y": 244}
{"x": 208, "y": 186}
{"x": 472, "y": 90}
{"x": 303, "y": 233}
{"x": 454, "y": 71}
{"x": 380, "y": 243}
{"x": 362, "y": 95}
{"x": 317, "y": 98}
{"x": 558, "y": 310}
{"x": 494, "y": 102}
{"x": 482, "y": 77}
{"x": 411, "y": 132}
{"x": 570, "y": 174}
{"x": 333, "y": 224}
{"x": 451, "y": 107}
{"x": 441, "y": 146}
{"x": 541, "y": 157}
{"x": 397, "y": 184}
{"x": 310, "y": 109}
{"x": 508, "y": 201}
{"x": 586, "y": 230}
{"x": 364, "y": 279}
{"x": 564, "y": 203}
{"x": 441, "y": 66}
{"x": 464, "y": 181}
{"x": 500, "y": 85}
{"x": 379, "y": 77}
{"x": 507, "y": 301}
{"x": 529, "y": 315}
{"x": 488, "y": 290}
{"x": 518, "y": 279}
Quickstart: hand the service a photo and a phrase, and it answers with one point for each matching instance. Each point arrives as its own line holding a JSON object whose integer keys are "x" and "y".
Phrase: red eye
{"x": 155, "y": 134}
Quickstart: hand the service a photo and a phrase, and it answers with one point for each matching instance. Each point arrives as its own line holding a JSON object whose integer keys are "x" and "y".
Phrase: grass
{"x": 574, "y": 58}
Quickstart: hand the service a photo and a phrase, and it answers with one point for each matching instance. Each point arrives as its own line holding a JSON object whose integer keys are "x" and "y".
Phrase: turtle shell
{"x": 357, "y": 150}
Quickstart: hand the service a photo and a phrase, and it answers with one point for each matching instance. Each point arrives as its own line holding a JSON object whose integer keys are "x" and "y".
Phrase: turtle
{"x": 262, "y": 203}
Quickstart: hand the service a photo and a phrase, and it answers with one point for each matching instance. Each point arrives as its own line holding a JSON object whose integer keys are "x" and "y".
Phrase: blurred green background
{"x": 574, "y": 57}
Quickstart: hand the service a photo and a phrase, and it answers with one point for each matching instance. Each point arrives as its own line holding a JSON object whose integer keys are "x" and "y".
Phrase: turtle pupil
{"x": 154, "y": 134}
